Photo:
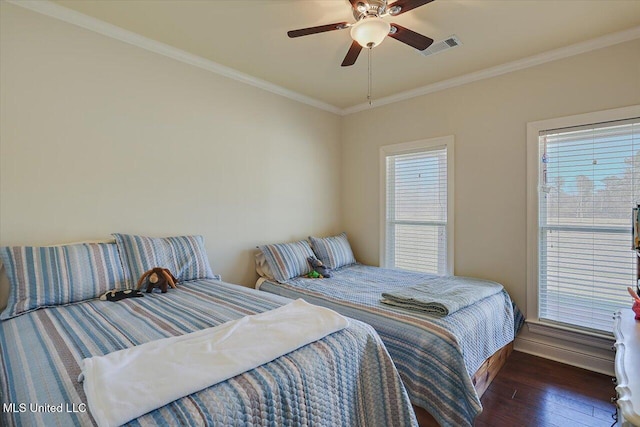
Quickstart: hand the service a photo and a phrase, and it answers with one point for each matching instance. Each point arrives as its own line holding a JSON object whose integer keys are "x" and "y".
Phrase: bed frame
{"x": 481, "y": 380}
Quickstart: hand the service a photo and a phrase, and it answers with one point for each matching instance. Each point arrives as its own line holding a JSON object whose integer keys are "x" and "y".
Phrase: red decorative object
{"x": 636, "y": 302}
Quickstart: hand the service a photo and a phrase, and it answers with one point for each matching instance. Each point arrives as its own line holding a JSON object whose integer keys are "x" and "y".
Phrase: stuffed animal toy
{"x": 158, "y": 277}
{"x": 318, "y": 267}
{"x": 118, "y": 295}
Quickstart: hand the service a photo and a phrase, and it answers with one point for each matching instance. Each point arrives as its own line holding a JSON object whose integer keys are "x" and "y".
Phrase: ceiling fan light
{"x": 370, "y": 31}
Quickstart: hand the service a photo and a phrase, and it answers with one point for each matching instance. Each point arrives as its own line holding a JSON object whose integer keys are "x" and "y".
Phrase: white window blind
{"x": 589, "y": 182}
{"x": 416, "y": 211}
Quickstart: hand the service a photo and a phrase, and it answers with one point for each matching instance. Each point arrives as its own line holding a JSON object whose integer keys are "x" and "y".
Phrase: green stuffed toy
{"x": 320, "y": 271}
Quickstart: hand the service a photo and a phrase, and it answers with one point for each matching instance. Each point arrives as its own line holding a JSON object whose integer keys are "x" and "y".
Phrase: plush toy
{"x": 636, "y": 302}
{"x": 118, "y": 295}
{"x": 158, "y": 277}
{"x": 313, "y": 275}
{"x": 318, "y": 267}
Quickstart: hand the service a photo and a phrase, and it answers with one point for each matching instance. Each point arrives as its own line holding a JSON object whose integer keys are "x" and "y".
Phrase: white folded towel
{"x": 126, "y": 384}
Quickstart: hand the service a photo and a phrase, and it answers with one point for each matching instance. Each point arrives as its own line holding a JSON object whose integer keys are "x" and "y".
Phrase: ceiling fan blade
{"x": 315, "y": 30}
{"x": 413, "y": 39}
{"x": 352, "y": 55}
{"x": 405, "y": 6}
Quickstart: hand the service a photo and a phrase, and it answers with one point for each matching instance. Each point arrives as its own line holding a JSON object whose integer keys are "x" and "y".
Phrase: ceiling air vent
{"x": 442, "y": 45}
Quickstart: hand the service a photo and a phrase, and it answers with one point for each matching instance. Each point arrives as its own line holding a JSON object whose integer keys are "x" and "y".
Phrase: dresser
{"x": 627, "y": 367}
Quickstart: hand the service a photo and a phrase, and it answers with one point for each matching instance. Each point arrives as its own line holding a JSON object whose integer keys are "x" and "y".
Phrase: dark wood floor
{"x": 537, "y": 392}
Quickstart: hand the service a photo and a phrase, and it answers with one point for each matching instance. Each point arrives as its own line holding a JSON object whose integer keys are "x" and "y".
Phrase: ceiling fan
{"x": 370, "y": 29}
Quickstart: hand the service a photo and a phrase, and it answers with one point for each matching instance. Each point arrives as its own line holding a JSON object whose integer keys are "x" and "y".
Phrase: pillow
{"x": 4, "y": 287}
{"x": 184, "y": 256}
{"x": 334, "y": 252}
{"x": 57, "y": 275}
{"x": 288, "y": 260}
{"x": 262, "y": 267}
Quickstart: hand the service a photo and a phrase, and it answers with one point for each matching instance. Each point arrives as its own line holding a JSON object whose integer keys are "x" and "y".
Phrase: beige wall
{"x": 98, "y": 136}
{"x": 488, "y": 119}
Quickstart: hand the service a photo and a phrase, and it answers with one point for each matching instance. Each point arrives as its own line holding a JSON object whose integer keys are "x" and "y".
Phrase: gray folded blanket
{"x": 442, "y": 296}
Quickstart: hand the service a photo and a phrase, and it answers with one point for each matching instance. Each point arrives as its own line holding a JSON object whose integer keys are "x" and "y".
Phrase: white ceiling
{"x": 250, "y": 36}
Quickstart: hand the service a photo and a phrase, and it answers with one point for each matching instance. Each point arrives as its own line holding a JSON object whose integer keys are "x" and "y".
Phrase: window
{"x": 417, "y": 207}
{"x": 587, "y": 182}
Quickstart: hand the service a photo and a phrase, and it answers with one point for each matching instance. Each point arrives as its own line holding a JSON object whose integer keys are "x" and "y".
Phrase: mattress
{"x": 346, "y": 378}
{"x": 436, "y": 357}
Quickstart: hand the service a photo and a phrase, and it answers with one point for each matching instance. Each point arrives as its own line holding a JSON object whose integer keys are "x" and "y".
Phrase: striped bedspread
{"x": 436, "y": 357}
{"x": 346, "y": 378}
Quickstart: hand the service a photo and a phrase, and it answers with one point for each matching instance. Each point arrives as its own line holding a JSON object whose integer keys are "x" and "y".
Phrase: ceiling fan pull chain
{"x": 369, "y": 87}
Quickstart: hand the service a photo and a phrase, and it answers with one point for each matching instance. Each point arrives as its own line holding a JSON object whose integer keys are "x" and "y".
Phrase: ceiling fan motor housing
{"x": 369, "y": 8}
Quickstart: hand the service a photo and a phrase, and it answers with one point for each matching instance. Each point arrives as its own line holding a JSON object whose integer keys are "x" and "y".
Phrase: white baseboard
{"x": 598, "y": 357}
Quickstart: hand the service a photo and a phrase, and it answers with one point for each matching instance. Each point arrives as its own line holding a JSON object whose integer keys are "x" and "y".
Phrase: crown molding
{"x": 53, "y": 10}
{"x": 62, "y": 13}
{"x": 520, "y": 64}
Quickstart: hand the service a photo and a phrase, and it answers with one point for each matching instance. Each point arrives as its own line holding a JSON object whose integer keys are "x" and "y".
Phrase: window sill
{"x": 574, "y": 335}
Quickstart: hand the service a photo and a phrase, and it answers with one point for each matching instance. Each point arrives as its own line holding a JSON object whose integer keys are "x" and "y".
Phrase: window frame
{"x": 533, "y": 249}
{"x": 447, "y": 142}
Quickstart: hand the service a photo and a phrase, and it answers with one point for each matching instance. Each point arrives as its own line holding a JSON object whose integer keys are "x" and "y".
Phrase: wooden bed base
{"x": 481, "y": 380}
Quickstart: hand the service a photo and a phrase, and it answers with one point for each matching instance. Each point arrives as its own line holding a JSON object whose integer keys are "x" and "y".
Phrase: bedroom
{"x": 100, "y": 135}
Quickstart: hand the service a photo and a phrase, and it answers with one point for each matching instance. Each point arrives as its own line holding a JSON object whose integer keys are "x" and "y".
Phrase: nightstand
{"x": 627, "y": 367}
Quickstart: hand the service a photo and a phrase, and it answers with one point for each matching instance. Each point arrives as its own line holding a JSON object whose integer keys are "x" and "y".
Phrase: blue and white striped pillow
{"x": 334, "y": 252}
{"x": 288, "y": 260}
{"x": 185, "y": 256}
{"x": 57, "y": 275}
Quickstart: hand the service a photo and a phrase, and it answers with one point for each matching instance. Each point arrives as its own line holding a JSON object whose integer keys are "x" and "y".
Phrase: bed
{"x": 446, "y": 363}
{"x": 345, "y": 378}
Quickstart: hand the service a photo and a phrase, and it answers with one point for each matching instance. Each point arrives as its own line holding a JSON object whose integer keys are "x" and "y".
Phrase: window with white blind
{"x": 588, "y": 182}
{"x": 417, "y": 209}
